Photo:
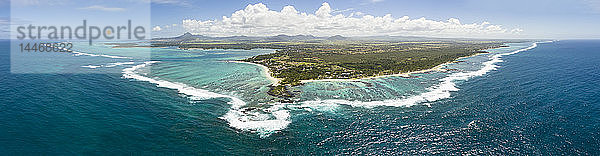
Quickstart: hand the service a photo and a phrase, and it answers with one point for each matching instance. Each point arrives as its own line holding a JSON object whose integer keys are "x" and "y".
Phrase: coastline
{"x": 276, "y": 81}
{"x": 267, "y": 72}
{"x": 439, "y": 67}
{"x": 405, "y": 75}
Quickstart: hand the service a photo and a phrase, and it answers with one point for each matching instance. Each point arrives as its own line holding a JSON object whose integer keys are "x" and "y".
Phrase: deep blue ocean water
{"x": 542, "y": 101}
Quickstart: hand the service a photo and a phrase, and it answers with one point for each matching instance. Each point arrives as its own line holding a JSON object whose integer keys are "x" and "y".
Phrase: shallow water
{"x": 539, "y": 101}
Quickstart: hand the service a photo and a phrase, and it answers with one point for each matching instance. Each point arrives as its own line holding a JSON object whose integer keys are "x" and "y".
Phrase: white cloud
{"x": 168, "y": 30}
{"x": 342, "y": 11}
{"x": 516, "y": 31}
{"x": 375, "y": 1}
{"x": 156, "y": 28}
{"x": 258, "y": 20}
{"x": 102, "y": 8}
{"x": 357, "y": 13}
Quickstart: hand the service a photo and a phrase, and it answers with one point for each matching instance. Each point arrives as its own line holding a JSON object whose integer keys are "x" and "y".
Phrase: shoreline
{"x": 405, "y": 75}
{"x": 276, "y": 81}
{"x": 267, "y": 72}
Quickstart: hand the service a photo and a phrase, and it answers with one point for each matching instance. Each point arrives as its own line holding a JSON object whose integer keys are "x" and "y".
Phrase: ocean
{"x": 529, "y": 98}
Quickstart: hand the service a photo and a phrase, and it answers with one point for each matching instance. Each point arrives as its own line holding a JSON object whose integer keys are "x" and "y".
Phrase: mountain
{"x": 185, "y": 37}
{"x": 284, "y": 38}
{"x": 190, "y": 37}
{"x": 337, "y": 37}
{"x": 291, "y": 38}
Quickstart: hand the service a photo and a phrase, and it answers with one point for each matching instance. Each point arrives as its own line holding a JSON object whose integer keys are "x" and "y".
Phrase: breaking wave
{"x": 434, "y": 93}
{"x": 269, "y": 120}
{"x": 101, "y": 55}
{"x": 263, "y": 121}
{"x": 109, "y": 65}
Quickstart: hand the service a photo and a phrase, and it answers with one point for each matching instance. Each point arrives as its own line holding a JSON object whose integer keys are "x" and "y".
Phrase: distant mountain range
{"x": 190, "y": 37}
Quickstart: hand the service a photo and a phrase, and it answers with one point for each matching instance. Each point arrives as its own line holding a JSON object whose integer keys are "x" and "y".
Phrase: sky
{"x": 551, "y": 19}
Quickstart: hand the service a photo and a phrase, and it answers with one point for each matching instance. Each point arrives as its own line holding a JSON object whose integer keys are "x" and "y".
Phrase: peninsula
{"x": 305, "y": 57}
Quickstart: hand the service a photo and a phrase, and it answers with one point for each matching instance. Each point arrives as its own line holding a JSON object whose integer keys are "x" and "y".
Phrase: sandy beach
{"x": 267, "y": 71}
{"x": 407, "y": 74}
{"x": 276, "y": 81}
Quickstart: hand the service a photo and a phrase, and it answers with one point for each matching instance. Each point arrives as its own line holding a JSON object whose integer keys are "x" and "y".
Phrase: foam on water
{"x": 91, "y": 66}
{"x": 118, "y": 64}
{"x": 268, "y": 120}
{"x": 434, "y": 93}
{"x": 263, "y": 121}
{"x": 95, "y": 55}
{"x": 317, "y": 106}
{"x": 109, "y": 65}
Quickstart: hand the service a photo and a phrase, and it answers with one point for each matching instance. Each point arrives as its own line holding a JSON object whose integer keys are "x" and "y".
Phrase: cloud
{"x": 258, "y": 20}
{"x": 167, "y": 30}
{"x": 375, "y": 1}
{"x": 156, "y": 28}
{"x": 357, "y": 13}
{"x": 516, "y": 31}
{"x": 342, "y": 11}
{"x": 102, "y": 8}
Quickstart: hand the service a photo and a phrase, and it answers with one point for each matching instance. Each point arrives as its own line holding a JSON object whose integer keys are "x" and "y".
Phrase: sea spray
{"x": 101, "y": 55}
{"x": 434, "y": 93}
{"x": 109, "y": 65}
{"x": 264, "y": 121}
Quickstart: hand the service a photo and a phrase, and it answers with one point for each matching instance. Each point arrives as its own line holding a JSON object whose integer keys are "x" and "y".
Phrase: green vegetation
{"x": 315, "y": 59}
{"x": 366, "y": 59}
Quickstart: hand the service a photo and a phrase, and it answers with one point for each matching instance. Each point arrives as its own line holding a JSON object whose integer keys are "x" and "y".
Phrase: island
{"x": 303, "y": 58}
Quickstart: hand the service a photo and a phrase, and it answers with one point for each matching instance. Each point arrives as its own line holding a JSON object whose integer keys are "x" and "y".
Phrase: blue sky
{"x": 560, "y": 19}
{"x": 71, "y": 13}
